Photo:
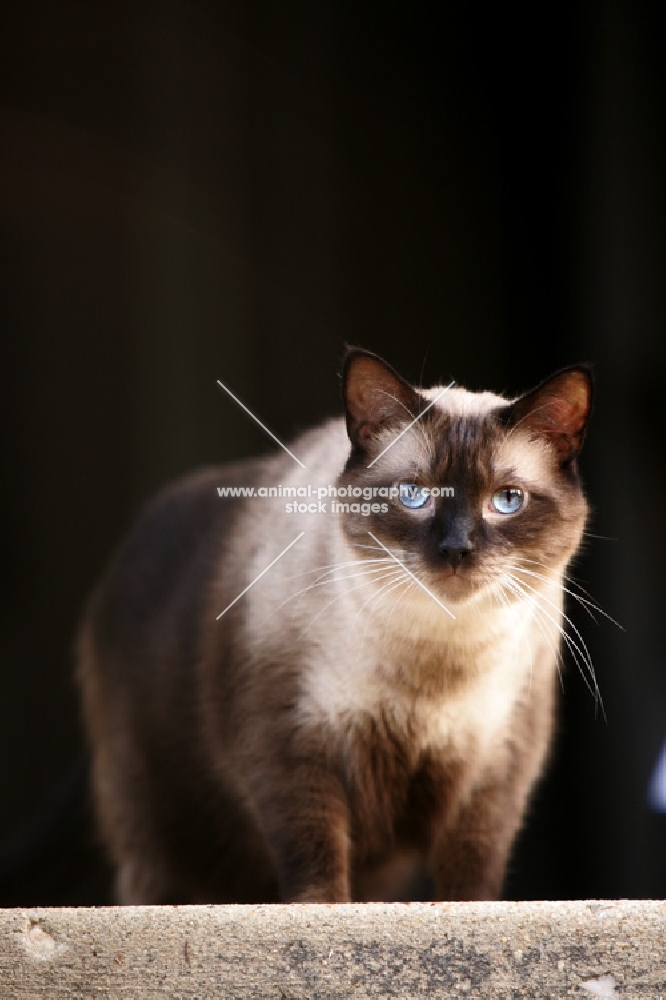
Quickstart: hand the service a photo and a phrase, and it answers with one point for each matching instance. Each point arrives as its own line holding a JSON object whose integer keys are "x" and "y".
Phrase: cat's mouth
{"x": 463, "y": 573}
{"x": 456, "y": 582}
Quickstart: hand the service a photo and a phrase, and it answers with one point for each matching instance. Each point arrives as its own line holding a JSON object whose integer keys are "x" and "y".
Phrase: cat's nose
{"x": 455, "y": 543}
{"x": 454, "y": 555}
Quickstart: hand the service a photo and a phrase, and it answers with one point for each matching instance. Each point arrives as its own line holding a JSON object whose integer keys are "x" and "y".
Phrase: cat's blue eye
{"x": 413, "y": 496}
{"x": 508, "y": 500}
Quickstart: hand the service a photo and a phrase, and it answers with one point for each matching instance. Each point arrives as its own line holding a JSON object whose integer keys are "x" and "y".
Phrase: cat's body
{"x": 328, "y": 740}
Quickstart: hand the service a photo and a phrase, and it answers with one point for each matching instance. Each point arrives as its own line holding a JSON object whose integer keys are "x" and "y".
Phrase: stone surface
{"x": 509, "y": 950}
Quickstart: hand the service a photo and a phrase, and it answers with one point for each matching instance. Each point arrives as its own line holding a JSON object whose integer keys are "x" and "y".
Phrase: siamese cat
{"x": 372, "y": 713}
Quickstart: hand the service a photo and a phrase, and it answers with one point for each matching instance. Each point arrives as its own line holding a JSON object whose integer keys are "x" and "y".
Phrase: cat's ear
{"x": 375, "y": 396}
{"x": 557, "y": 410}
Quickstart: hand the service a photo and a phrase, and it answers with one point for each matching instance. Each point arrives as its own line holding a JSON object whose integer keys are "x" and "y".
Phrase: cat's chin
{"x": 452, "y": 588}
{"x": 456, "y": 589}
{"x": 442, "y": 606}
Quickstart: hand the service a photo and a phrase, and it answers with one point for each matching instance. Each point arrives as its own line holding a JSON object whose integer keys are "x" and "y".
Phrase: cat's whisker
{"x": 498, "y": 591}
{"x": 386, "y": 588}
{"x": 411, "y": 584}
{"x": 516, "y": 586}
{"x": 331, "y": 567}
{"x": 332, "y": 572}
{"x": 542, "y": 597}
{"x": 576, "y": 651}
{"x": 337, "y": 597}
{"x": 408, "y": 560}
{"x": 528, "y": 646}
{"x": 408, "y": 584}
{"x": 321, "y": 582}
{"x": 500, "y": 596}
{"x": 585, "y": 604}
{"x": 375, "y": 571}
{"x": 378, "y": 564}
{"x": 407, "y": 557}
{"x": 564, "y": 576}
{"x": 602, "y": 538}
{"x": 497, "y": 595}
{"x": 535, "y": 610}
{"x": 569, "y": 579}
{"x": 402, "y": 580}
{"x": 329, "y": 582}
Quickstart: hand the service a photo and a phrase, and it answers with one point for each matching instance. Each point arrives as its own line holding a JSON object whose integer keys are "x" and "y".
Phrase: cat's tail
{"x": 55, "y": 859}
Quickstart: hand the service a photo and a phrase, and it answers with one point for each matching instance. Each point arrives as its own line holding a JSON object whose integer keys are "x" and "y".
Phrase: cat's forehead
{"x": 460, "y": 435}
{"x": 458, "y": 402}
{"x": 468, "y": 436}
{"x": 465, "y": 433}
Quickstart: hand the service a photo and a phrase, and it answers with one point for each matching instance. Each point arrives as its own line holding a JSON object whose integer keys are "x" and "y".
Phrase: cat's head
{"x": 505, "y": 471}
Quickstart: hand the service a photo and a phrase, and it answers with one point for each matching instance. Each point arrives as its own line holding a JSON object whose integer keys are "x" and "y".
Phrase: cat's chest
{"x": 409, "y": 762}
{"x": 462, "y": 714}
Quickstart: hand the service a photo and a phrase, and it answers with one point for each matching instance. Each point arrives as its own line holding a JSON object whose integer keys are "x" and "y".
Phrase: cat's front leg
{"x": 472, "y": 850}
{"x": 305, "y": 819}
{"x": 470, "y": 857}
{"x": 469, "y": 864}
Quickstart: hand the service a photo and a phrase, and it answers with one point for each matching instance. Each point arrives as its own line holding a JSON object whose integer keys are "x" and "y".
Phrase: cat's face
{"x": 509, "y": 495}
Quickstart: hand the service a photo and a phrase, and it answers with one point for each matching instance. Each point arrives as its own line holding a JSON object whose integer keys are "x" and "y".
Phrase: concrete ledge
{"x": 582, "y": 949}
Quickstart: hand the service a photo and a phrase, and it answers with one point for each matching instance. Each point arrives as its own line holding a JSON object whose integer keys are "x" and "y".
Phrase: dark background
{"x": 201, "y": 191}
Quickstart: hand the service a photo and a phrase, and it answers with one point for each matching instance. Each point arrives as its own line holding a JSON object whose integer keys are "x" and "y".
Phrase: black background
{"x": 201, "y": 191}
